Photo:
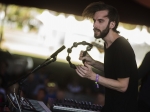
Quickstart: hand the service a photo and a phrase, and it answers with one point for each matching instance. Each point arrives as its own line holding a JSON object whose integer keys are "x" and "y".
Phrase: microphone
{"x": 58, "y": 51}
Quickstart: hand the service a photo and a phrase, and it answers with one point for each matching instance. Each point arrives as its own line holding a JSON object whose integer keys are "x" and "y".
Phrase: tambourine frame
{"x": 75, "y": 44}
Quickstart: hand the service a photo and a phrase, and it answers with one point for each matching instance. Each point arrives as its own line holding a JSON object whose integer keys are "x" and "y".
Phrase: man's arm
{"x": 121, "y": 84}
{"x": 98, "y": 65}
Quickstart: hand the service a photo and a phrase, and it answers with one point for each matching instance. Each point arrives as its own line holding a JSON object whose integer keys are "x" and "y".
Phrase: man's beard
{"x": 102, "y": 33}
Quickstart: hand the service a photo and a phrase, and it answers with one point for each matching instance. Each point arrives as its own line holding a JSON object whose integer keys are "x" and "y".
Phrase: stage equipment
{"x": 70, "y": 105}
{"x": 21, "y": 80}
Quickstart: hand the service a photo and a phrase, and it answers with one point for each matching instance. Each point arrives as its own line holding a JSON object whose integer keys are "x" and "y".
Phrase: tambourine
{"x": 75, "y": 44}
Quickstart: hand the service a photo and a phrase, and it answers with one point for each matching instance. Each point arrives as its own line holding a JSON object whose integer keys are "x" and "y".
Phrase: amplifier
{"x": 69, "y": 105}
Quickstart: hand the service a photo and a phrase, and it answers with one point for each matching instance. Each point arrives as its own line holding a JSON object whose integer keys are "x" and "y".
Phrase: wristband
{"x": 96, "y": 80}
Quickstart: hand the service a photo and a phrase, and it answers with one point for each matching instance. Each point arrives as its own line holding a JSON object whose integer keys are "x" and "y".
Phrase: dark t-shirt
{"x": 119, "y": 62}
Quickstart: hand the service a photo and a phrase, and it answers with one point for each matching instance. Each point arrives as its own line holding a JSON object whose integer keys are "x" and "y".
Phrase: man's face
{"x": 101, "y": 24}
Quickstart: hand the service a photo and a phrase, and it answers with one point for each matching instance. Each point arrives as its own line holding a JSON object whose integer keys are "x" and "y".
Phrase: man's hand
{"x": 88, "y": 59}
{"x": 85, "y": 71}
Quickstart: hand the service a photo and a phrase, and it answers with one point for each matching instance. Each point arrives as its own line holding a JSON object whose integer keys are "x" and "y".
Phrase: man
{"x": 120, "y": 69}
{"x": 144, "y": 79}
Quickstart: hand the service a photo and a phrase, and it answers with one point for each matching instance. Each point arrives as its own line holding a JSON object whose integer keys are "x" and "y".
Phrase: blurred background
{"x": 31, "y": 31}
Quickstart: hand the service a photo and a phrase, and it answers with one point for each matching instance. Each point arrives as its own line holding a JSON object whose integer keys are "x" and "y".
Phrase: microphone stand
{"x": 20, "y": 81}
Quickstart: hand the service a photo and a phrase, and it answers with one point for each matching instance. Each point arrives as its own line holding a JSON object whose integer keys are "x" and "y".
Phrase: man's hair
{"x": 92, "y": 8}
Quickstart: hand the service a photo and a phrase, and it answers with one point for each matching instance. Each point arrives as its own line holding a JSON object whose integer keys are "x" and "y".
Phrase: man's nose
{"x": 95, "y": 24}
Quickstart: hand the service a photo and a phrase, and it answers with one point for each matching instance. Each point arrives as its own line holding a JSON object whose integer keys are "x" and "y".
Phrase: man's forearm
{"x": 98, "y": 65}
{"x": 121, "y": 84}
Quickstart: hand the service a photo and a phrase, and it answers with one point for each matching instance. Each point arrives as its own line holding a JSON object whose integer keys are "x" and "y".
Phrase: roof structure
{"x": 130, "y": 11}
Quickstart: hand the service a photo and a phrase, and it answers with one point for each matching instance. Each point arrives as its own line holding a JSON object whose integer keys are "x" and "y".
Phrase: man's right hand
{"x": 88, "y": 59}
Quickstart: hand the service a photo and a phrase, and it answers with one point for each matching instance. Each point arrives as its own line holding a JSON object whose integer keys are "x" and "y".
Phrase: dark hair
{"x": 90, "y": 10}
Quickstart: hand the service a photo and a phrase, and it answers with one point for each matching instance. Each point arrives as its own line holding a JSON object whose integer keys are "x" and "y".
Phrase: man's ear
{"x": 112, "y": 24}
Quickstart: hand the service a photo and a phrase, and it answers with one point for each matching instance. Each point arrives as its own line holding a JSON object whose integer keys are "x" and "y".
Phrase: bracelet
{"x": 96, "y": 80}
